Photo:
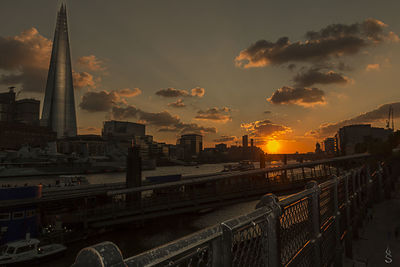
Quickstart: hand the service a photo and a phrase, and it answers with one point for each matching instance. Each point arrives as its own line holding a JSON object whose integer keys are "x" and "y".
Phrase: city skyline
{"x": 207, "y": 69}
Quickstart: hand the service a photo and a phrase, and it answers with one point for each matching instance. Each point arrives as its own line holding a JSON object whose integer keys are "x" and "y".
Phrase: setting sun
{"x": 273, "y": 146}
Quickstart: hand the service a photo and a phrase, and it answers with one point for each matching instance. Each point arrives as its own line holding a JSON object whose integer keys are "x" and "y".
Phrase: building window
{"x": 5, "y": 216}
{"x": 18, "y": 215}
{"x": 30, "y": 213}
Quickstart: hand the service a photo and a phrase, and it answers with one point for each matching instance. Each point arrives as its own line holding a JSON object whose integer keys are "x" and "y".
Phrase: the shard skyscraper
{"x": 59, "y": 104}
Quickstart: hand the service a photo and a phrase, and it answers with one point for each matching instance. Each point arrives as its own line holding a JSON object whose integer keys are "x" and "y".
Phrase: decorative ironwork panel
{"x": 342, "y": 221}
{"x": 341, "y": 193}
{"x": 295, "y": 228}
{"x": 249, "y": 244}
{"x": 328, "y": 242}
{"x": 304, "y": 258}
{"x": 326, "y": 204}
{"x": 350, "y": 184}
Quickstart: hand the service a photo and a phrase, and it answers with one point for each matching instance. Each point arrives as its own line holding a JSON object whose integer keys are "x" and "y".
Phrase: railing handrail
{"x": 197, "y": 180}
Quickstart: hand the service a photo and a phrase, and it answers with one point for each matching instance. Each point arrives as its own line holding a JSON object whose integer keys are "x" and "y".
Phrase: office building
{"x": 123, "y": 130}
{"x": 245, "y": 141}
{"x": 330, "y": 146}
{"x": 349, "y": 137}
{"x": 192, "y": 145}
{"x": 25, "y": 110}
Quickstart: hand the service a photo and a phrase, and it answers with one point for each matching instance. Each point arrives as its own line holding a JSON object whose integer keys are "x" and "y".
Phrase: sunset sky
{"x": 286, "y": 72}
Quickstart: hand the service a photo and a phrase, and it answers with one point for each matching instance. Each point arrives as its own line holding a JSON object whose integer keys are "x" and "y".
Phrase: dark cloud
{"x": 164, "y": 120}
{"x": 225, "y": 138}
{"x": 267, "y": 112}
{"x": 302, "y": 96}
{"x": 157, "y": 118}
{"x": 25, "y": 58}
{"x": 178, "y": 104}
{"x": 214, "y": 114}
{"x": 98, "y": 101}
{"x": 315, "y": 76}
{"x": 334, "y": 40}
{"x": 265, "y": 128}
{"x": 105, "y": 100}
{"x": 172, "y": 92}
{"x": 192, "y": 128}
{"x": 378, "y": 114}
{"x": 372, "y": 29}
{"x": 292, "y": 67}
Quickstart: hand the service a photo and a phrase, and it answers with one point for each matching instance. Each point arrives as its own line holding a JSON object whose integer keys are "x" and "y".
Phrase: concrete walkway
{"x": 381, "y": 231}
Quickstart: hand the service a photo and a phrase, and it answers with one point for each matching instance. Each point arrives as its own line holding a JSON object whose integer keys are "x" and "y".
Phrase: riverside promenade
{"x": 381, "y": 230}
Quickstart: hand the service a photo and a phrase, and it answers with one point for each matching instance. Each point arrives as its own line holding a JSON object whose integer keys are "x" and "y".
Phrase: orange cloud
{"x": 198, "y": 91}
{"x": 127, "y": 92}
{"x": 91, "y": 63}
{"x": 89, "y": 130}
{"x": 371, "y": 67}
{"x": 83, "y": 79}
{"x": 265, "y": 129}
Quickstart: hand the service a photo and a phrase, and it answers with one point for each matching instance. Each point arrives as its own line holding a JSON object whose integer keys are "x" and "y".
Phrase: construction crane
{"x": 390, "y": 117}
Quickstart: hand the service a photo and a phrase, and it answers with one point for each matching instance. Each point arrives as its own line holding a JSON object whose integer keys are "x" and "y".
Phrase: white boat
{"x": 28, "y": 251}
{"x": 71, "y": 180}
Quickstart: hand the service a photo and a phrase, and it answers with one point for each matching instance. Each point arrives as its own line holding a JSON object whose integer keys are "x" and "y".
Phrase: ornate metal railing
{"x": 311, "y": 228}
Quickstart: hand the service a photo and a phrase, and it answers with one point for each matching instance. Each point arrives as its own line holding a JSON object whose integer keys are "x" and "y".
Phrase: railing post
{"x": 368, "y": 183}
{"x": 273, "y": 239}
{"x": 354, "y": 203}
{"x": 380, "y": 183}
{"x": 316, "y": 235}
{"x": 226, "y": 258}
{"x": 348, "y": 243}
{"x": 388, "y": 182}
{"x": 105, "y": 254}
{"x": 216, "y": 247}
{"x": 338, "y": 246}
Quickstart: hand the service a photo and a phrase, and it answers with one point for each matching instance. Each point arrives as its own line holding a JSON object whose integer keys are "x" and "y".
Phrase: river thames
{"x": 133, "y": 240}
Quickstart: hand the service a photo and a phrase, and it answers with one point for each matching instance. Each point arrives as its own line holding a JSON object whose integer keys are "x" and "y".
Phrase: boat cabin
{"x": 19, "y": 247}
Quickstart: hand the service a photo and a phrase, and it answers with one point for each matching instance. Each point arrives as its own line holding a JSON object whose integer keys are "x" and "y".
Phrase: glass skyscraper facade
{"x": 59, "y": 104}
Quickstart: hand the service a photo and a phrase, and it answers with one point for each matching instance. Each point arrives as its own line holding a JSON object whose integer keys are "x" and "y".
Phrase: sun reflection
{"x": 273, "y": 146}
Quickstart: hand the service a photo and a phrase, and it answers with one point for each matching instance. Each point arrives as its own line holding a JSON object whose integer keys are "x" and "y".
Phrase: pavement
{"x": 379, "y": 238}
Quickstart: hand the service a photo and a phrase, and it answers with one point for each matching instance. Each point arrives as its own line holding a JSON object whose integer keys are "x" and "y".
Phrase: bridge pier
{"x": 133, "y": 175}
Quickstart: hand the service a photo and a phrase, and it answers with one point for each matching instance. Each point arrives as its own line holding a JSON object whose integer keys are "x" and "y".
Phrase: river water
{"x": 132, "y": 240}
{"x": 115, "y": 177}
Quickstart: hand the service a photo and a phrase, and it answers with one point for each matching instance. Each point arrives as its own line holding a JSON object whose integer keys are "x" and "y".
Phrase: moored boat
{"x": 28, "y": 251}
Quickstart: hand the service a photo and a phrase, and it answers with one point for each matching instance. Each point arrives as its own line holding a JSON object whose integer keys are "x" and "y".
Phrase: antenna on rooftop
{"x": 390, "y": 117}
